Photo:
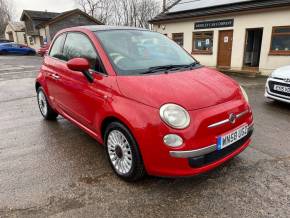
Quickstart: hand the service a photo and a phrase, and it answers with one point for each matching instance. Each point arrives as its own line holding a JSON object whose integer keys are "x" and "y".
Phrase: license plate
{"x": 232, "y": 137}
{"x": 282, "y": 88}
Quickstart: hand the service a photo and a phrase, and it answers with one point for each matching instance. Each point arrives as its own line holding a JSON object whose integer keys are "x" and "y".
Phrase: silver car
{"x": 278, "y": 85}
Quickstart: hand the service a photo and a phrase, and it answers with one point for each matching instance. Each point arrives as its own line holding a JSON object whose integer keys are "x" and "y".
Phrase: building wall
{"x": 34, "y": 42}
{"x": 18, "y": 37}
{"x": 70, "y": 21}
{"x": 265, "y": 20}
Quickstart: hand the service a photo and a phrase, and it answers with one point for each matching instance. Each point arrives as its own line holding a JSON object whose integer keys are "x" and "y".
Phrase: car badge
{"x": 232, "y": 118}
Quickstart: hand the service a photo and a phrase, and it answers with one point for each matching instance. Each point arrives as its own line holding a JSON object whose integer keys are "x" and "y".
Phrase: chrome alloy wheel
{"x": 119, "y": 152}
{"x": 42, "y": 103}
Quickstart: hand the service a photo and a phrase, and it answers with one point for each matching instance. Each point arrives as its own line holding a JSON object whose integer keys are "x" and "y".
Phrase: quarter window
{"x": 178, "y": 38}
{"x": 280, "y": 43}
{"x": 202, "y": 42}
{"x": 78, "y": 45}
{"x": 56, "y": 50}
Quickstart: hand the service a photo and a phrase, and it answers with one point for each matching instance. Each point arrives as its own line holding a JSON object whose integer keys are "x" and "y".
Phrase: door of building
{"x": 253, "y": 45}
{"x": 225, "y": 48}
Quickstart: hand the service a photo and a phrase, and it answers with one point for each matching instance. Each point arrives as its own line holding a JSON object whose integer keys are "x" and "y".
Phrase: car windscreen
{"x": 134, "y": 52}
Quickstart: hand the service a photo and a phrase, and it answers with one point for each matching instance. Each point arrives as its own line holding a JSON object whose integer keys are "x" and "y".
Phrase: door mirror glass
{"x": 78, "y": 64}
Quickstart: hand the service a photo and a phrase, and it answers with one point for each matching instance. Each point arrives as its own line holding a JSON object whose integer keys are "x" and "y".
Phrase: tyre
{"x": 31, "y": 53}
{"x": 123, "y": 153}
{"x": 3, "y": 52}
{"x": 45, "y": 109}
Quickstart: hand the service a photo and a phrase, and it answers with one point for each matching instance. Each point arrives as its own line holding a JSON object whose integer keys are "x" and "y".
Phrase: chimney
{"x": 164, "y": 6}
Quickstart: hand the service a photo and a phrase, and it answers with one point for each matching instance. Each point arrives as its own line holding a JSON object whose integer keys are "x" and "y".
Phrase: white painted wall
{"x": 17, "y": 36}
{"x": 266, "y": 20}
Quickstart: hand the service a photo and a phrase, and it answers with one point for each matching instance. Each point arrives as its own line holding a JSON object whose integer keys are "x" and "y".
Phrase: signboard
{"x": 226, "y": 39}
{"x": 214, "y": 24}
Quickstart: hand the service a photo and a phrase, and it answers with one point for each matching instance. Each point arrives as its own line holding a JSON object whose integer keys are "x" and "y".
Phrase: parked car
{"x": 278, "y": 85}
{"x": 14, "y": 48}
{"x": 43, "y": 49}
{"x": 4, "y": 41}
{"x": 161, "y": 116}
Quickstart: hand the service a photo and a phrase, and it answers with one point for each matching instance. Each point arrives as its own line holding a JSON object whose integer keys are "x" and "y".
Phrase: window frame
{"x": 85, "y": 35}
{"x": 274, "y": 52}
{"x": 193, "y": 51}
{"x": 178, "y": 35}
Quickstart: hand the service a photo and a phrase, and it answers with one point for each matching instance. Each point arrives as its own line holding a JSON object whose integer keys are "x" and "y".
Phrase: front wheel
{"x": 45, "y": 109}
{"x": 31, "y": 53}
{"x": 123, "y": 153}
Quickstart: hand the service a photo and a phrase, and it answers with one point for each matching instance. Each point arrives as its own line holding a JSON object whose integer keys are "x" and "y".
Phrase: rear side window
{"x": 57, "y": 48}
{"x": 77, "y": 45}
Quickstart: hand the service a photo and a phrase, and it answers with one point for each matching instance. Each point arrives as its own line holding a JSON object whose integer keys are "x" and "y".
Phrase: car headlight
{"x": 244, "y": 94}
{"x": 175, "y": 116}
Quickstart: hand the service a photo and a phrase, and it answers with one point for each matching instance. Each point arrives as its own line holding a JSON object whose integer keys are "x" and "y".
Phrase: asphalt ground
{"x": 55, "y": 169}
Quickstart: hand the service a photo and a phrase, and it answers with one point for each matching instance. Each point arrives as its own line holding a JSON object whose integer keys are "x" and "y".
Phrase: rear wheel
{"x": 123, "y": 153}
{"x": 45, "y": 109}
{"x": 4, "y": 52}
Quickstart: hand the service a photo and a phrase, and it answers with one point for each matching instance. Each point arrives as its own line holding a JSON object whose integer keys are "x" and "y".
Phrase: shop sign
{"x": 214, "y": 24}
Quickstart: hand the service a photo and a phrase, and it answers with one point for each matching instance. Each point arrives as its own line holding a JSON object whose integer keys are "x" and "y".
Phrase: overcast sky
{"x": 42, "y": 5}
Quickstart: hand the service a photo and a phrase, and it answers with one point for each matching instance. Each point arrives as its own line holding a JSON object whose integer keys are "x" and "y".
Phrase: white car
{"x": 278, "y": 85}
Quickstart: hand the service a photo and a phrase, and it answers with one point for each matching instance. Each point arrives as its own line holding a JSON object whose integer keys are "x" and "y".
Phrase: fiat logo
{"x": 232, "y": 118}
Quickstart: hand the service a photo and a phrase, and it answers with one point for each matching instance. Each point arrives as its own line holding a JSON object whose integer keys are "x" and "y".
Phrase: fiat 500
{"x": 151, "y": 104}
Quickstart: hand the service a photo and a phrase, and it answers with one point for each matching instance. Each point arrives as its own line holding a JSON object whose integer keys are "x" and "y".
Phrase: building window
{"x": 178, "y": 38}
{"x": 202, "y": 42}
{"x": 280, "y": 43}
{"x": 31, "y": 40}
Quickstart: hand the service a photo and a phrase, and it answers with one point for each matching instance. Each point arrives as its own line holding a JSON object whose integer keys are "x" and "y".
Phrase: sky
{"x": 42, "y": 5}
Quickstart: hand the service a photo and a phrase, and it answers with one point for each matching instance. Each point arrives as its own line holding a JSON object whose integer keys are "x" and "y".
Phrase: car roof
{"x": 95, "y": 28}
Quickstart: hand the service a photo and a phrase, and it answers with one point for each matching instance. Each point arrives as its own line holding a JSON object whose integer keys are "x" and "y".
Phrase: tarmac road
{"x": 55, "y": 169}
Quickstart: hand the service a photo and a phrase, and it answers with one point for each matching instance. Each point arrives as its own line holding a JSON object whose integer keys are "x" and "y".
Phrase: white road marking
{"x": 19, "y": 72}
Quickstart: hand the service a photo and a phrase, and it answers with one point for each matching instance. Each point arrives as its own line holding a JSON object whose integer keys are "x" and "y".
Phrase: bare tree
{"x": 5, "y": 15}
{"x": 122, "y": 12}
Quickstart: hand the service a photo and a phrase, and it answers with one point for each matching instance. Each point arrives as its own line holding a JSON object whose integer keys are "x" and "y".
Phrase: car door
{"x": 77, "y": 97}
{"x": 16, "y": 49}
{"x": 53, "y": 66}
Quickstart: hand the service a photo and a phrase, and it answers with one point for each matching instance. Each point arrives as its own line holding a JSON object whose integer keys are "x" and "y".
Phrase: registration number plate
{"x": 282, "y": 88}
{"x": 232, "y": 137}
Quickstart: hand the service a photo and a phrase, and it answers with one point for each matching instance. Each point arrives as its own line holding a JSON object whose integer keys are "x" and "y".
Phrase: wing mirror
{"x": 82, "y": 65}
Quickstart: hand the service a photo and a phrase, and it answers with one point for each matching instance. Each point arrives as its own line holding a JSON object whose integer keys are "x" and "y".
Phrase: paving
{"x": 54, "y": 169}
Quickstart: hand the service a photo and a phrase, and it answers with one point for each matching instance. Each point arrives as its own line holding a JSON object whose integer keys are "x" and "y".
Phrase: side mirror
{"x": 82, "y": 65}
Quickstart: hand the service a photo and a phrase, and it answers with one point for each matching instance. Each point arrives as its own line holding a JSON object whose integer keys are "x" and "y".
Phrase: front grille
{"x": 214, "y": 156}
{"x": 271, "y": 87}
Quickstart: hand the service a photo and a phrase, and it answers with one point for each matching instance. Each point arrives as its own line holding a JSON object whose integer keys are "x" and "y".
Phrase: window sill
{"x": 279, "y": 53}
{"x": 201, "y": 53}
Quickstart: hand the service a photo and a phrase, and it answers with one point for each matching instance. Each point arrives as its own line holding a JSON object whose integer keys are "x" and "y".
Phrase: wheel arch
{"x": 37, "y": 85}
{"x": 111, "y": 119}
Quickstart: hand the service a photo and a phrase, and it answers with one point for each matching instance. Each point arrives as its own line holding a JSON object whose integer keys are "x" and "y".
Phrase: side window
{"x": 78, "y": 45}
{"x": 57, "y": 47}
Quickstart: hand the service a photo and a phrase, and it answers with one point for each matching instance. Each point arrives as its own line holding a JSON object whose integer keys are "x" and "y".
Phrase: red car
{"x": 43, "y": 49}
{"x": 150, "y": 103}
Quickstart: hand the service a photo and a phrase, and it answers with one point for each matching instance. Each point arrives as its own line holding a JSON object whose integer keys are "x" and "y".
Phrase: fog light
{"x": 173, "y": 140}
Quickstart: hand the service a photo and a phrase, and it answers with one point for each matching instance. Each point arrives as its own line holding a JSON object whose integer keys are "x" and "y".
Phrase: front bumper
{"x": 161, "y": 160}
{"x": 206, "y": 150}
{"x": 276, "y": 96}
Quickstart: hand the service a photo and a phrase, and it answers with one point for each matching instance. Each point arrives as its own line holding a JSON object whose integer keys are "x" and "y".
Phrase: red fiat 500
{"x": 153, "y": 106}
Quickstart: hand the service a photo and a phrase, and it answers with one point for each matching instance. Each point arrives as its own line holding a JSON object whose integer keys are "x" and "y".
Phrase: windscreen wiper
{"x": 167, "y": 68}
